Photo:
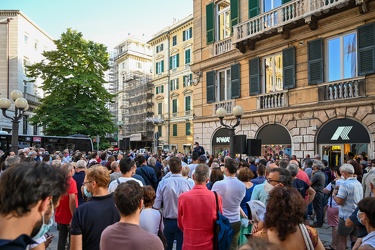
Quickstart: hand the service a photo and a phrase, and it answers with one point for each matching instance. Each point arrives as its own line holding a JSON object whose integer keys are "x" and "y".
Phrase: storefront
{"x": 220, "y": 142}
{"x": 339, "y": 137}
{"x": 276, "y": 140}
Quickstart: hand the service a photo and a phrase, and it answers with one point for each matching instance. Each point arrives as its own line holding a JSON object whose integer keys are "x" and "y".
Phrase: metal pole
{"x": 15, "y": 126}
{"x": 231, "y": 142}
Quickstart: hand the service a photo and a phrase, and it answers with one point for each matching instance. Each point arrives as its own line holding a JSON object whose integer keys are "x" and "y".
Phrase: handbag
{"x": 161, "y": 234}
{"x": 306, "y": 237}
{"x": 223, "y": 232}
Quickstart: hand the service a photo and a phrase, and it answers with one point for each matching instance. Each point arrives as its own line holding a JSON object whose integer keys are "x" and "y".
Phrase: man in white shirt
{"x": 232, "y": 192}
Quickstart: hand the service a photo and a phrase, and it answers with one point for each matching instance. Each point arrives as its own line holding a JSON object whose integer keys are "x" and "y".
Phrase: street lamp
{"x": 21, "y": 106}
{"x": 237, "y": 112}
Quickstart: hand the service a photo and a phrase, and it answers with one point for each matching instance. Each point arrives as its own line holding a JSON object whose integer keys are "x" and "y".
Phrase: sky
{"x": 103, "y": 21}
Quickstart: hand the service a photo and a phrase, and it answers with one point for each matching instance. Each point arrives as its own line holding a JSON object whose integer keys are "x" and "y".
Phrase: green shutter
{"x": 156, "y": 67}
{"x": 366, "y": 49}
{"x": 178, "y": 60}
{"x": 160, "y": 108}
{"x": 162, "y": 89}
{"x": 187, "y": 103}
{"x": 177, "y": 80}
{"x": 234, "y": 12}
{"x": 162, "y": 66}
{"x": 187, "y": 56}
{"x": 191, "y": 79}
{"x": 210, "y": 81}
{"x": 190, "y": 32}
{"x": 253, "y": 8}
{"x": 187, "y": 129}
{"x": 184, "y": 81}
{"x": 183, "y": 35}
{"x": 174, "y": 106}
{"x": 174, "y": 129}
{"x": 210, "y": 22}
{"x": 284, "y": 1}
{"x": 254, "y": 76}
{"x": 157, "y": 90}
{"x": 235, "y": 76}
{"x": 315, "y": 61}
{"x": 289, "y": 68}
{"x": 160, "y": 130}
{"x": 171, "y": 85}
{"x": 170, "y": 62}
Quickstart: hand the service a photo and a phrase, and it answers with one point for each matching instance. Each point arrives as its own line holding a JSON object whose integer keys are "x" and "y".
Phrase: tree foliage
{"x": 73, "y": 76}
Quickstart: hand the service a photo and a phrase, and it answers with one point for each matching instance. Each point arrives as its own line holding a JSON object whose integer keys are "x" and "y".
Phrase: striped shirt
{"x": 352, "y": 192}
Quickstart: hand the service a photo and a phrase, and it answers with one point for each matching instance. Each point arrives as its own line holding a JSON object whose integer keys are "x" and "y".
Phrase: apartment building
{"x": 133, "y": 83}
{"x": 303, "y": 71}
{"x": 173, "y": 86}
{"x": 22, "y": 43}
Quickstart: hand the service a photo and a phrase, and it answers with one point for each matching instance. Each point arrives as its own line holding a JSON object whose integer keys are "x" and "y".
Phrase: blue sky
{"x": 107, "y": 21}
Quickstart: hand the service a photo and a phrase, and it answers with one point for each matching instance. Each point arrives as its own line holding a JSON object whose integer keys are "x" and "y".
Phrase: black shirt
{"x": 19, "y": 243}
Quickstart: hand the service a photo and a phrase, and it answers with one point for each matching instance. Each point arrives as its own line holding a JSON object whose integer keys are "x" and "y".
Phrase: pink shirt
{"x": 196, "y": 217}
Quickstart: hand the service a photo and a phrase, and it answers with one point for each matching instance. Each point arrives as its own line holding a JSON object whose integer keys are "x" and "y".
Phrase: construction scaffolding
{"x": 137, "y": 106}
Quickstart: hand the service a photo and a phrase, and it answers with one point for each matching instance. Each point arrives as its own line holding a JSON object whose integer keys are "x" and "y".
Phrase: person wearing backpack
{"x": 232, "y": 191}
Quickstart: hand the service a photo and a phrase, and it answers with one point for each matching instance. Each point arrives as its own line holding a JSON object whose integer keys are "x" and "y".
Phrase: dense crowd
{"x": 131, "y": 200}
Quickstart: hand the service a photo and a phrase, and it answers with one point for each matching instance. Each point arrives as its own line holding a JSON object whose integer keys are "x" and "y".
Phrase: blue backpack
{"x": 223, "y": 232}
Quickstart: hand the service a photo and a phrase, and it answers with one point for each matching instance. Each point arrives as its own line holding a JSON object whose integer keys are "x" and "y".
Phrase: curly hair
{"x": 148, "y": 195}
{"x": 285, "y": 210}
{"x": 245, "y": 174}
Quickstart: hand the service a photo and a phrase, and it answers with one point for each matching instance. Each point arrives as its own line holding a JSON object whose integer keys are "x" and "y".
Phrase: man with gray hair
{"x": 317, "y": 182}
{"x": 347, "y": 197}
{"x": 302, "y": 187}
{"x": 116, "y": 171}
{"x": 79, "y": 176}
{"x": 197, "y": 232}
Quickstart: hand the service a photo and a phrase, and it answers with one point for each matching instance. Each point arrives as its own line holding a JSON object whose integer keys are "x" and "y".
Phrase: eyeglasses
{"x": 84, "y": 183}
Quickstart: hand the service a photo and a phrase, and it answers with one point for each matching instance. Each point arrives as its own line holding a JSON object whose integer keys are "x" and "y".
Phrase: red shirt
{"x": 63, "y": 214}
{"x": 196, "y": 217}
{"x": 303, "y": 176}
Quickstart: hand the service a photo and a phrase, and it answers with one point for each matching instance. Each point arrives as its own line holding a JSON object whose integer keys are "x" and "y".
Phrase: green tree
{"x": 73, "y": 76}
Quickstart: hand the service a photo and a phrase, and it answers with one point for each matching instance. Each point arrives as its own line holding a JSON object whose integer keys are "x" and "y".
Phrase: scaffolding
{"x": 137, "y": 105}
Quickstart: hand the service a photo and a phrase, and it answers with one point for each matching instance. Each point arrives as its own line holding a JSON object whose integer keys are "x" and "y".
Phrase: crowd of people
{"x": 117, "y": 200}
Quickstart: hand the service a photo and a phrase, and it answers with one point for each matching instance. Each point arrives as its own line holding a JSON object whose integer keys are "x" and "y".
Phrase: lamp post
{"x": 20, "y": 106}
{"x": 237, "y": 112}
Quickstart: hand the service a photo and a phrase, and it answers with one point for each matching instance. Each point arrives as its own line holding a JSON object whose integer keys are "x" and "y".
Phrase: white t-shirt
{"x": 149, "y": 220}
{"x": 192, "y": 169}
{"x": 113, "y": 185}
{"x": 329, "y": 188}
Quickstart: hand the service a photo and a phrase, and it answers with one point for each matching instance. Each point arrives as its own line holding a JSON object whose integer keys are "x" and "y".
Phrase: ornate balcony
{"x": 227, "y": 105}
{"x": 343, "y": 89}
{"x": 279, "y": 17}
{"x": 272, "y": 100}
{"x": 223, "y": 46}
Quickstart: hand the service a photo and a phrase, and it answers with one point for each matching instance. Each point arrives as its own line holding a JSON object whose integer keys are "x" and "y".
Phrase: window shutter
{"x": 253, "y": 8}
{"x": 284, "y": 1}
{"x": 235, "y": 76}
{"x": 315, "y": 61}
{"x": 289, "y": 68}
{"x": 178, "y": 60}
{"x": 184, "y": 81}
{"x": 366, "y": 49}
{"x": 210, "y": 80}
{"x": 162, "y": 89}
{"x": 191, "y": 79}
{"x": 210, "y": 20}
{"x": 157, "y": 90}
{"x": 162, "y": 66}
{"x": 159, "y": 131}
{"x": 174, "y": 129}
{"x": 177, "y": 83}
{"x": 234, "y": 12}
{"x": 183, "y": 35}
{"x": 187, "y": 103}
{"x": 161, "y": 47}
{"x": 157, "y": 68}
{"x": 170, "y": 62}
{"x": 254, "y": 76}
{"x": 187, "y": 56}
{"x": 187, "y": 128}
{"x": 190, "y": 32}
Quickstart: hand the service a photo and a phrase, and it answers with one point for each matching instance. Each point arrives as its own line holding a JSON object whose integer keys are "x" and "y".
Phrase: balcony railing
{"x": 280, "y": 16}
{"x": 227, "y": 105}
{"x": 344, "y": 89}
{"x": 273, "y": 100}
{"x": 223, "y": 46}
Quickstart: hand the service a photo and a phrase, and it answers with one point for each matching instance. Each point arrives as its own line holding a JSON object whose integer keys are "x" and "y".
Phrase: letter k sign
{"x": 342, "y": 132}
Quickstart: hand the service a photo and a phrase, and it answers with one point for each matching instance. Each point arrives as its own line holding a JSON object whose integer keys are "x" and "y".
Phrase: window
{"x": 160, "y": 129}
{"x": 160, "y": 108}
{"x": 174, "y": 61}
{"x": 277, "y": 71}
{"x": 174, "y": 40}
{"x": 25, "y": 125}
{"x": 273, "y": 73}
{"x": 159, "y": 67}
{"x": 26, "y": 38}
{"x": 187, "y": 80}
{"x": 123, "y": 65}
{"x": 174, "y": 129}
{"x": 36, "y": 45}
{"x": 159, "y": 89}
{"x": 159, "y": 48}
{"x": 223, "y": 84}
{"x": 139, "y": 65}
{"x": 187, "y": 56}
{"x": 26, "y": 62}
{"x": 187, "y": 34}
{"x": 187, "y": 103}
{"x": 174, "y": 84}
{"x": 187, "y": 128}
{"x": 342, "y": 57}
{"x": 174, "y": 106}
{"x": 223, "y": 20}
